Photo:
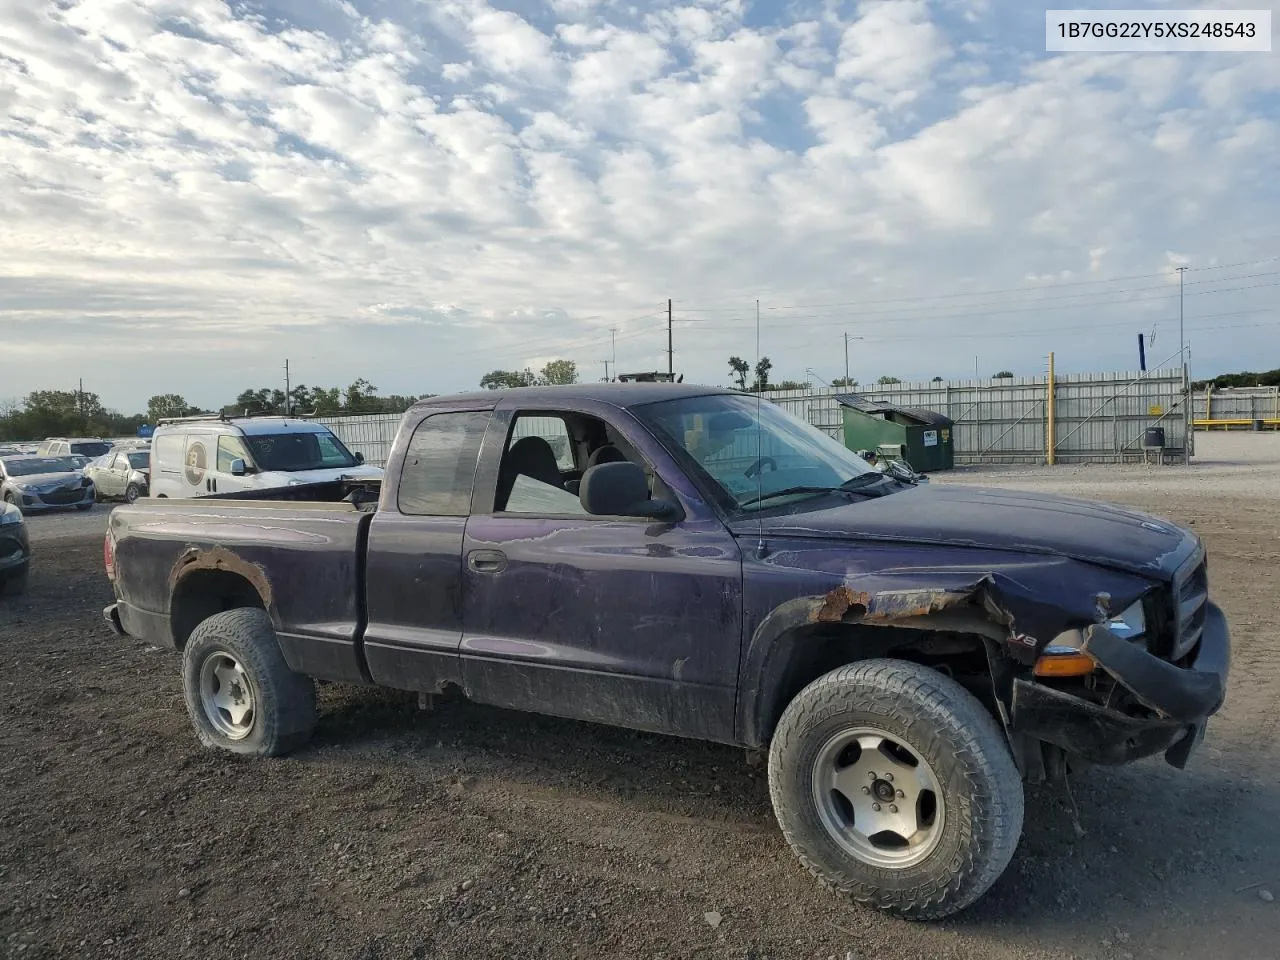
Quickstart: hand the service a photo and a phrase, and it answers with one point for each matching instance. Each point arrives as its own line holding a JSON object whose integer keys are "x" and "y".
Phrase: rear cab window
{"x": 440, "y": 464}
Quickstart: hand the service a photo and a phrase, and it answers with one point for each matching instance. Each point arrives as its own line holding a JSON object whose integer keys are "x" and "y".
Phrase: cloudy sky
{"x": 418, "y": 191}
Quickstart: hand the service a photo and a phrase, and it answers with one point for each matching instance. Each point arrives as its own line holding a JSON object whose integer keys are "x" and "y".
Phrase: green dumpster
{"x": 927, "y": 437}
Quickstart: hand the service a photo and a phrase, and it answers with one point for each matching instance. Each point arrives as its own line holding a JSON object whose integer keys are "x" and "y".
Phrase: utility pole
{"x": 606, "y": 370}
{"x": 846, "y": 359}
{"x": 613, "y": 340}
{"x": 1187, "y": 430}
{"x": 80, "y": 399}
{"x": 671, "y": 364}
{"x": 286, "y": 387}
{"x": 975, "y": 366}
{"x": 1182, "y": 342}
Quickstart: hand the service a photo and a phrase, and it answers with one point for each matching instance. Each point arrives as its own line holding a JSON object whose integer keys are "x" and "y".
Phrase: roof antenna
{"x": 761, "y": 549}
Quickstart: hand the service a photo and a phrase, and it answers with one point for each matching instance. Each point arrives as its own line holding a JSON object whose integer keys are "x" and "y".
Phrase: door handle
{"x": 487, "y": 561}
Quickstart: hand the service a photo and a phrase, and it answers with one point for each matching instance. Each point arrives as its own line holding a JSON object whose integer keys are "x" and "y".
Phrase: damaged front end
{"x": 1128, "y": 685}
{"x": 1071, "y": 679}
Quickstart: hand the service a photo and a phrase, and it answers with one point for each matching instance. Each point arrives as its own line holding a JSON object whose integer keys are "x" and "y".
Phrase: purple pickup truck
{"x": 695, "y": 562}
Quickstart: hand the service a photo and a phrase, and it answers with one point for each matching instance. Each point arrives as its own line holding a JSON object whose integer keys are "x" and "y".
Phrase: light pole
{"x": 847, "y": 338}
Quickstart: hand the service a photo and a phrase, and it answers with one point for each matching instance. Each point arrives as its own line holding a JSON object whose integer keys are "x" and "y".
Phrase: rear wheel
{"x": 895, "y": 786}
{"x": 240, "y": 693}
{"x": 131, "y": 493}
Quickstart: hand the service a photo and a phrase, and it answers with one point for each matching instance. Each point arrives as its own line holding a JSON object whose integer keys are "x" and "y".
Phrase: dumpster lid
{"x": 879, "y": 408}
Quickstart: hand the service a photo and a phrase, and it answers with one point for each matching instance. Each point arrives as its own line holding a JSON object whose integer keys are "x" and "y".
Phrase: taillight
{"x": 109, "y": 556}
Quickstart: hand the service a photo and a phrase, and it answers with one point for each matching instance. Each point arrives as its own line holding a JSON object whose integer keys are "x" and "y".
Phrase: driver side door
{"x": 619, "y": 620}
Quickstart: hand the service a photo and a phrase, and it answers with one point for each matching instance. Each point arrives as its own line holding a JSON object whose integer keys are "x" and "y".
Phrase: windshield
{"x": 298, "y": 451}
{"x": 719, "y": 434}
{"x": 30, "y": 466}
{"x": 90, "y": 448}
{"x": 140, "y": 461}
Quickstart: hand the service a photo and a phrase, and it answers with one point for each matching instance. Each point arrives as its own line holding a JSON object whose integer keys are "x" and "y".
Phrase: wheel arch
{"x": 207, "y": 582}
{"x": 807, "y": 637}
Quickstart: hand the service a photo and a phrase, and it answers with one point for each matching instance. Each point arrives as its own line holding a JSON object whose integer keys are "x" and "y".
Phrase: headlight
{"x": 1129, "y": 624}
{"x": 10, "y": 513}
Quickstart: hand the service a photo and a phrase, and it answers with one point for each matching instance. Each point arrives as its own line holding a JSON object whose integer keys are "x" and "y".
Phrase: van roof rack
{"x": 203, "y": 416}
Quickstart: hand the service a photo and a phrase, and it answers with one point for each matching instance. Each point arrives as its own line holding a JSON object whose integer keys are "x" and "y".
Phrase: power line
{"x": 831, "y": 320}
{"x": 991, "y": 292}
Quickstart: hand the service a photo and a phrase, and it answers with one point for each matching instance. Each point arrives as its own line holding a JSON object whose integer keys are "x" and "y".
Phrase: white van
{"x": 196, "y": 457}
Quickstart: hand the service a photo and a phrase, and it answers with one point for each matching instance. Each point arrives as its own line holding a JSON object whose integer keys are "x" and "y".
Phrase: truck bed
{"x": 302, "y": 560}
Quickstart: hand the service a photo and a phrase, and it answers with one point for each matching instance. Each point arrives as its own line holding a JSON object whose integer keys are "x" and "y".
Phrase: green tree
{"x": 501, "y": 379}
{"x": 937, "y": 380}
{"x": 361, "y": 397}
{"x": 559, "y": 373}
{"x": 792, "y": 385}
{"x": 168, "y": 405}
{"x": 763, "y": 366}
{"x": 1003, "y": 375}
{"x": 847, "y": 382}
{"x": 885, "y": 380}
{"x": 740, "y": 368}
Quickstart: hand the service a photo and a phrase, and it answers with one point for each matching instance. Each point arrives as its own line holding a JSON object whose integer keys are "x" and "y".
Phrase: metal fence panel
{"x": 370, "y": 435}
{"x": 1098, "y": 416}
{"x": 1238, "y": 403}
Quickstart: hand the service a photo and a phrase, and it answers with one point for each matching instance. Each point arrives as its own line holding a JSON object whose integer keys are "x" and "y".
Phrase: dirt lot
{"x": 471, "y": 832}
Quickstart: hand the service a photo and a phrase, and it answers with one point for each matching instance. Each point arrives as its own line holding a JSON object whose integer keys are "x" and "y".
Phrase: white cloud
{"x": 472, "y": 187}
{"x": 891, "y": 51}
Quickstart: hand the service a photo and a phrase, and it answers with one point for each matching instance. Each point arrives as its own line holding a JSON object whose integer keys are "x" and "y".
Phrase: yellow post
{"x": 1208, "y": 402}
{"x": 1050, "y": 438}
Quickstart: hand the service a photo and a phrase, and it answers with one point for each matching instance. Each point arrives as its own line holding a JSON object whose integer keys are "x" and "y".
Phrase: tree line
{"x": 74, "y": 413}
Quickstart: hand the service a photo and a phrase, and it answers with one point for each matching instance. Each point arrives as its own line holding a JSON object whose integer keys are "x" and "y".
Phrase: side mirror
{"x": 621, "y": 490}
{"x": 237, "y": 467}
{"x": 359, "y": 457}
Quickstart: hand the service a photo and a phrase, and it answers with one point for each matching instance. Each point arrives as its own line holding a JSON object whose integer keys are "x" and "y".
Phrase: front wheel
{"x": 895, "y": 786}
{"x": 240, "y": 693}
{"x": 132, "y": 493}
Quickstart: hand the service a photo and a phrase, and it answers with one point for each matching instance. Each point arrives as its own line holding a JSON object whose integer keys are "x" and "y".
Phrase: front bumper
{"x": 33, "y": 502}
{"x": 1170, "y": 705}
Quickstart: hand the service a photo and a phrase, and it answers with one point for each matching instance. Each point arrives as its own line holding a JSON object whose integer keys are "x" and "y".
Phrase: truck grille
{"x": 1191, "y": 594}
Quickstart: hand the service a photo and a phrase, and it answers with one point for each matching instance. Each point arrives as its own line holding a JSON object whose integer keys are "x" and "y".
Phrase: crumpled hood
{"x": 996, "y": 519}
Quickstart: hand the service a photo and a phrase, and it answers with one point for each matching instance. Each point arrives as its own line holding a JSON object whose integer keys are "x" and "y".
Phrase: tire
{"x": 131, "y": 493}
{"x": 11, "y": 499}
{"x": 82, "y": 507}
{"x": 235, "y": 653}
{"x": 967, "y": 825}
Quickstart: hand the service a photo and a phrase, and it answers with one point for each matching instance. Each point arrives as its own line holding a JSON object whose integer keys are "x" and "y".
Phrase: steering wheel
{"x": 759, "y": 465}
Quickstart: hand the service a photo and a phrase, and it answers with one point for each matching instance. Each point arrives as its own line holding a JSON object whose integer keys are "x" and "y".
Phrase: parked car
{"x": 123, "y": 473}
{"x": 198, "y": 456}
{"x": 704, "y": 565}
{"x": 87, "y": 447}
{"x": 15, "y": 550}
{"x": 44, "y": 483}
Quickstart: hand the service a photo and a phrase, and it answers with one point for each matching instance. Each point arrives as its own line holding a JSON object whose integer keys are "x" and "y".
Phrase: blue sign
{"x": 146, "y": 430}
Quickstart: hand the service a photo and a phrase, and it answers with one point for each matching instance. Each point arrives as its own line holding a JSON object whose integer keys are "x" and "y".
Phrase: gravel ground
{"x": 472, "y": 832}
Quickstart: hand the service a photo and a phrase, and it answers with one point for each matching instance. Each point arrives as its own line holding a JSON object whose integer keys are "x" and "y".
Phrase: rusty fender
{"x": 195, "y": 559}
{"x": 969, "y": 608}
